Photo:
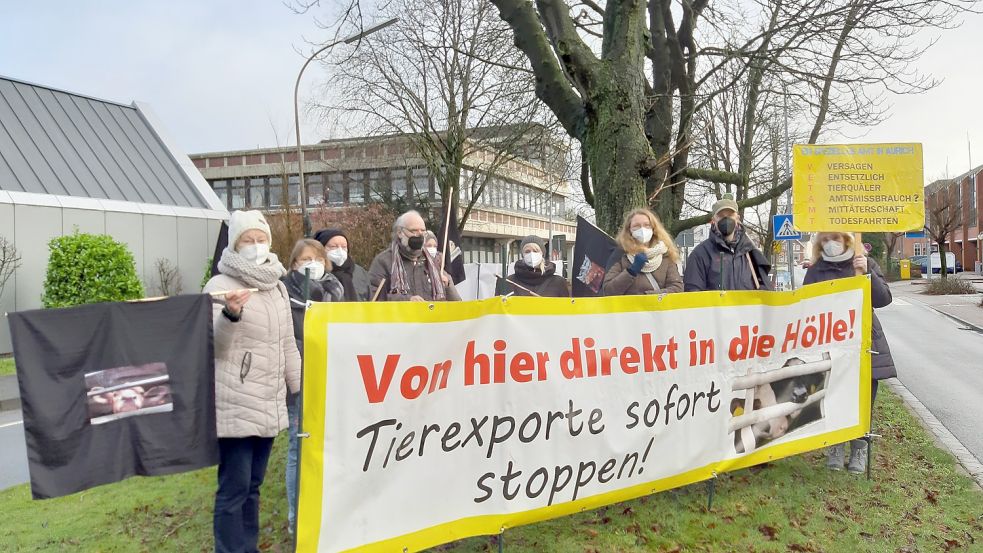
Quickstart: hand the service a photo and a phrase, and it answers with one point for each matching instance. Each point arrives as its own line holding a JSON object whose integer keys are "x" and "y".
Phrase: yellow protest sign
{"x": 858, "y": 187}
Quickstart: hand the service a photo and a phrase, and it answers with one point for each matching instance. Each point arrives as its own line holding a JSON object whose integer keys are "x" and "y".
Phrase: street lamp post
{"x": 300, "y": 150}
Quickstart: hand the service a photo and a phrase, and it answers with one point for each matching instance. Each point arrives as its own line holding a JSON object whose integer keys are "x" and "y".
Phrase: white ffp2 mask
{"x": 257, "y": 253}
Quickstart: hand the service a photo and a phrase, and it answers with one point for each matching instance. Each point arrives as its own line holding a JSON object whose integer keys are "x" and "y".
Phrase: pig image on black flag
{"x": 113, "y": 390}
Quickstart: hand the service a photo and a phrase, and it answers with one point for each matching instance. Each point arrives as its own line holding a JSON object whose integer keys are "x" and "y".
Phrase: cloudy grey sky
{"x": 220, "y": 73}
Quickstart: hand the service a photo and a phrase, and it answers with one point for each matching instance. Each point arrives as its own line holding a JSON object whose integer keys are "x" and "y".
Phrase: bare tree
{"x": 9, "y": 261}
{"x": 628, "y": 79}
{"x": 447, "y": 78}
{"x": 168, "y": 278}
{"x": 944, "y": 217}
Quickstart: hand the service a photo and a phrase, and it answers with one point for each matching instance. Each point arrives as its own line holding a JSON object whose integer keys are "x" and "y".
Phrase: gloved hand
{"x": 636, "y": 265}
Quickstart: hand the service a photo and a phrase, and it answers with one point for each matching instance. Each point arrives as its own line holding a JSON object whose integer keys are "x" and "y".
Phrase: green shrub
{"x": 89, "y": 268}
{"x": 208, "y": 272}
{"x": 949, "y": 286}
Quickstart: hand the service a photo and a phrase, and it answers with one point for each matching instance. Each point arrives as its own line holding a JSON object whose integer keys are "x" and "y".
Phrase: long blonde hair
{"x": 631, "y": 246}
{"x": 817, "y": 243}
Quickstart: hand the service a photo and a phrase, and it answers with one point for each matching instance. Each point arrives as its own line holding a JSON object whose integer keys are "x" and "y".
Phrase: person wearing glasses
{"x": 405, "y": 270}
{"x": 256, "y": 363}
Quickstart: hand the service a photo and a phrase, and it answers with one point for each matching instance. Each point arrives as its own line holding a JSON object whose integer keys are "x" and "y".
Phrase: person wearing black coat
{"x": 727, "y": 260}
{"x": 353, "y": 277}
{"x": 308, "y": 256}
{"x": 535, "y": 274}
{"x": 834, "y": 257}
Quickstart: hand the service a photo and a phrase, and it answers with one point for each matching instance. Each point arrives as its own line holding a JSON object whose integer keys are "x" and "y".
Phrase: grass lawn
{"x": 918, "y": 501}
{"x": 6, "y": 366}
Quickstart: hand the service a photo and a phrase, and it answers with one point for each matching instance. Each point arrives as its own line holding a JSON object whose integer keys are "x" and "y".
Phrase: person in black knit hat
{"x": 354, "y": 278}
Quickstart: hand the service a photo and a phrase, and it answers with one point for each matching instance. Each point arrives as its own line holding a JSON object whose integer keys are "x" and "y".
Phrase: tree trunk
{"x": 943, "y": 270}
{"x": 616, "y": 145}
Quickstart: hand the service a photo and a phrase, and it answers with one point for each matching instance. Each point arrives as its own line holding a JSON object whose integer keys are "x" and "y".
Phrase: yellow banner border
{"x": 315, "y": 380}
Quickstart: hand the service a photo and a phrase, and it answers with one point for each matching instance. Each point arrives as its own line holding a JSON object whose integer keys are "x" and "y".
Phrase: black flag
{"x": 454, "y": 265}
{"x": 112, "y": 390}
{"x": 590, "y": 257}
{"x": 220, "y": 245}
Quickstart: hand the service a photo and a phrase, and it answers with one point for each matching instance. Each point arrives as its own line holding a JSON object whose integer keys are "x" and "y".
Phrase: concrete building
{"x": 70, "y": 162}
{"x": 522, "y": 197}
{"x": 966, "y": 242}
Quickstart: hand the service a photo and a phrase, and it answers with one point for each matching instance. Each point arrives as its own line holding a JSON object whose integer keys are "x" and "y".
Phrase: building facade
{"x": 73, "y": 163}
{"x": 966, "y": 241}
{"x": 520, "y": 197}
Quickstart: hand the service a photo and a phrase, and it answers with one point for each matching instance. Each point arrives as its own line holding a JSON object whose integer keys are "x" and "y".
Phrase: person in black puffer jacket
{"x": 834, "y": 257}
{"x": 536, "y": 274}
{"x": 727, "y": 260}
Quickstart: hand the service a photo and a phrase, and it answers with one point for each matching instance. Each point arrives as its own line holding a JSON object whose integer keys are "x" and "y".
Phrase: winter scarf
{"x": 847, "y": 254}
{"x": 398, "y": 272}
{"x": 263, "y": 277}
{"x": 654, "y": 255}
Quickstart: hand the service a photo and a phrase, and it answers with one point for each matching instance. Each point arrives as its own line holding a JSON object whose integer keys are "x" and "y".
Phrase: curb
{"x": 929, "y": 422}
{"x": 973, "y": 326}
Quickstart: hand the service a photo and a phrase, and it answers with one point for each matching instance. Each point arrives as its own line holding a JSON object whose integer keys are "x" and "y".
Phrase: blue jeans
{"x": 241, "y": 468}
{"x": 293, "y": 414}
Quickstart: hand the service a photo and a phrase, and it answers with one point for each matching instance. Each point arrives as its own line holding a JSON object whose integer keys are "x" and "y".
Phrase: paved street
{"x": 941, "y": 363}
{"x": 13, "y": 454}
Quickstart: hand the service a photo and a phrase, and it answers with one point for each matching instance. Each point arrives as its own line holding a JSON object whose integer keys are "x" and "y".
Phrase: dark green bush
{"x": 89, "y": 268}
{"x": 208, "y": 272}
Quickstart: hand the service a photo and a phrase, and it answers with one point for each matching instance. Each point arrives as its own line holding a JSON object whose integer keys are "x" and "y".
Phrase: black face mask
{"x": 415, "y": 243}
{"x": 726, "y": 226}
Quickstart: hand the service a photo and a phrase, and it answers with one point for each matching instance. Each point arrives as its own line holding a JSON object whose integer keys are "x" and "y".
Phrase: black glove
{"x": 636, "y": 266}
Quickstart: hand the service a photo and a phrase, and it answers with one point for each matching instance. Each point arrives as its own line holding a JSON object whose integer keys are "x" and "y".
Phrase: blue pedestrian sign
{"x": 783, "y": 229}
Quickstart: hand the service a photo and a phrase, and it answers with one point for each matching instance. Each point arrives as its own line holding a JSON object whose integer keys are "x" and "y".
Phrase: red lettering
{"x": 629, "y": 360}
{"x": 376, "y": 389}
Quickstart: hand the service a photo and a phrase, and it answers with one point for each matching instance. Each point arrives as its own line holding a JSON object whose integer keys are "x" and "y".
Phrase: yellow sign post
{"x": 858, "y": 187}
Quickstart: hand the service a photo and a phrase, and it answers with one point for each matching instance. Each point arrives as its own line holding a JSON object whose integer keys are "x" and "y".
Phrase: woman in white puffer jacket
{"x": 256, "y": 362}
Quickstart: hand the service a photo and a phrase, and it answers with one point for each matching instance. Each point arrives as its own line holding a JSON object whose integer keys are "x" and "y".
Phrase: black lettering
{"x": 374, "y": 429}
{"x": 631, "y": 414}
{"x": 484, "y": 488}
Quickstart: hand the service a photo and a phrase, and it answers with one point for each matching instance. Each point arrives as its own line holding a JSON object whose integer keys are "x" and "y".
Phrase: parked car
{"x": 951, "y": 265}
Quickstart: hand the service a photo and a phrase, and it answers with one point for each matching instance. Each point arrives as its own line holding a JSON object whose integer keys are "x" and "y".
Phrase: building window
{"x": 356, "y": 187}
{"x": 421, "y": 183}
{"x": 238, "y": 194}
{"x": 221, "y": 189}
{"x": 293, "y": 190}
{"x": 257, "y": 192}
{"x": 400, "y": 184}
{"x": 918, "y": 248}
{"x": 336, "y": 189}
{"x": 315, "y": 189}
{"x": 276, "y": 191}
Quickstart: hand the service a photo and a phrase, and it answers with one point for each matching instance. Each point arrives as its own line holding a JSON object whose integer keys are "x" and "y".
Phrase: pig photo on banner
{"x": 488, "y": 415}
{"x": 113, "y": 390}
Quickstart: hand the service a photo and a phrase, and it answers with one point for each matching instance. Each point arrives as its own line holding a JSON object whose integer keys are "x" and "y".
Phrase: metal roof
{"x": 65, "y": 144}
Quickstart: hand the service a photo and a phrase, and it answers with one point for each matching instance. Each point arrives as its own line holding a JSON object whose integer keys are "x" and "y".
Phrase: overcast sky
{"x": 220, "y": 73}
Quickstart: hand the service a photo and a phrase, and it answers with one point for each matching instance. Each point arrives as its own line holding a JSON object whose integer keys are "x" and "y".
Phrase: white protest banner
{"x": 429, "y": 423}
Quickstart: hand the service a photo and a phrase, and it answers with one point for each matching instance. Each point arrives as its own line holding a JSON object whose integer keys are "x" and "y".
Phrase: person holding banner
{"x": 430, "y": 246}
{"x": 727, "y": 260}
{"x": 405, "y": 271}
{"x": 256, "y": 362}
{"x": 534, "y": 275}
{"x": 354, "y": 278}
{"x": 646, "y": 260}
{"x": 834, "y": 256}
{"x": 307, "y": 257}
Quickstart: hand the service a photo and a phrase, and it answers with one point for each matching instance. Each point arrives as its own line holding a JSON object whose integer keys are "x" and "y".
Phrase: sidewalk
{"x": 9, "y": 393}
{"x": 964, "y": 308}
